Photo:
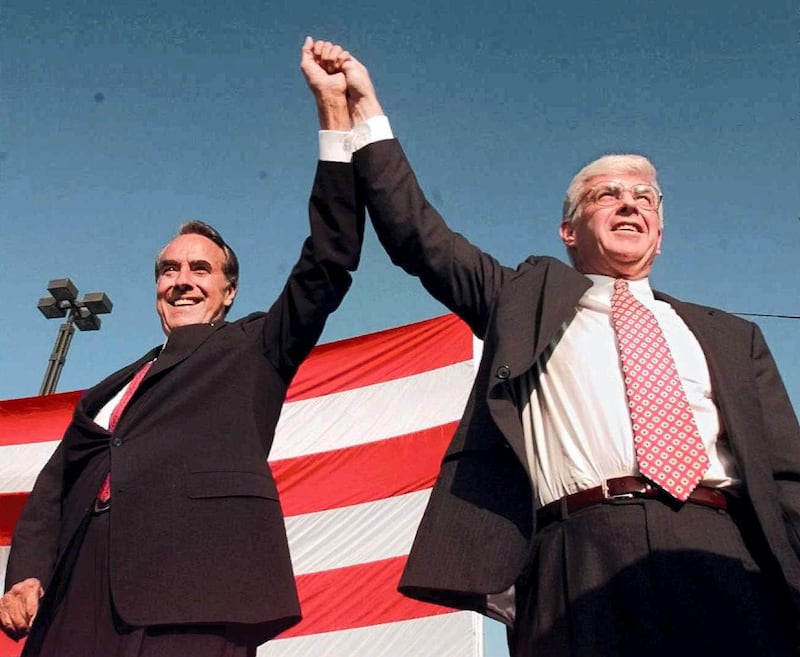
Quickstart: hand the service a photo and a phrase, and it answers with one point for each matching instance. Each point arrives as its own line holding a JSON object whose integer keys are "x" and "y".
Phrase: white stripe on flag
{"x": 355, "y": 534}
{"x": 21, "y": 464}
{"x": 4, "y": 552}
{"x": 374, "y": 412}
{"x": 454, "y": 635}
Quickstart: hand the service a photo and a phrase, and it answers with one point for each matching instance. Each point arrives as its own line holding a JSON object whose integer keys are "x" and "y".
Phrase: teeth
{"x": 183, "y": 302}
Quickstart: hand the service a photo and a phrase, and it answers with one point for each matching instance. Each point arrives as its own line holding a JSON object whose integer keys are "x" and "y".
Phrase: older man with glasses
{"x": 625, "y": 479}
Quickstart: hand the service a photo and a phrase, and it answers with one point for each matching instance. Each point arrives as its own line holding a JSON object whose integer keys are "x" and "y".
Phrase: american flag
{"x": 356, "y": 451}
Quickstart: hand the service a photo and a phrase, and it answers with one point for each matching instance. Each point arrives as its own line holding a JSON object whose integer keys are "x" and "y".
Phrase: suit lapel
{"x": 94, "y": 398}
{"x": 182, "y": 342}
{"x": 532, "y": 308}
{"x": 728, "y": 362}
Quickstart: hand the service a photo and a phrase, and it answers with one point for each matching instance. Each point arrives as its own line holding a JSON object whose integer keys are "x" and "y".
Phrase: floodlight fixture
{"x": 50, "y": 308}
{"x": 89, "y": 322}
{"x": 98, "y": 303}
{"x": 63, "y": 289}
{"x": 80, "y": 313}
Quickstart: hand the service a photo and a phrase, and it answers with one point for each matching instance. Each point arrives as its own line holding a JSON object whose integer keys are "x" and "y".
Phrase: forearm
{"x": 34, "y": 546}
{"x": 416, "y": 237}
{"x": 321, "y": 277}
{"x": 332, "y": 112}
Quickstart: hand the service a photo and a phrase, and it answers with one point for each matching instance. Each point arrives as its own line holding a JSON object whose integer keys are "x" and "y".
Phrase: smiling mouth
{"x": 627, "y": 228}
{"x": 184, "y": 302}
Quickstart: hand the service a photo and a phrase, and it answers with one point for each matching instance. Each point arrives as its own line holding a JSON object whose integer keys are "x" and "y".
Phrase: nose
{"x": 183, "y": 278}
{"x": 627, "y": 202}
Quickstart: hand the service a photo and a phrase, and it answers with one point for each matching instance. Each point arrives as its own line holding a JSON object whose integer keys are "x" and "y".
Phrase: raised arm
{"x": 458, "y": 274}
{"x": 318, "y": 282}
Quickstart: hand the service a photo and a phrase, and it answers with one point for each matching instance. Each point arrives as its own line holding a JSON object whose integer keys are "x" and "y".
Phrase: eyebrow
{"x": 193, "y": 264}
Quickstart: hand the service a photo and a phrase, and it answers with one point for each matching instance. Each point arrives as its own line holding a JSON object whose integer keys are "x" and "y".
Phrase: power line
{"x": 768, "y": 315}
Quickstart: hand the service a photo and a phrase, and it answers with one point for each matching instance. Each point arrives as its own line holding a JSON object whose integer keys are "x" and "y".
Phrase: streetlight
{"x": 82, "y": 313}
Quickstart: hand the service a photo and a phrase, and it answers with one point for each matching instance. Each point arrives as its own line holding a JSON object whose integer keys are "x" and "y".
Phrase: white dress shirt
{"x": 574, "y": 411}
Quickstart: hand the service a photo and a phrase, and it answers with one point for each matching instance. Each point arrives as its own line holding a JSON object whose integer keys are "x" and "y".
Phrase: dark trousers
{"x": 637, "y": 577}
{"x": 78, "y": 619}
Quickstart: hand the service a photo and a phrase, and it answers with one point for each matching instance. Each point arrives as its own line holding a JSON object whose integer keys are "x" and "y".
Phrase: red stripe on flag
{"x": 8, "y": 648}
{"x": 10, "y": 507}
{"x": 363, "y": 473}
{"x": 383, "y": 356}
{"x": 338, "y": 599}
{"x": 36, "y": 419}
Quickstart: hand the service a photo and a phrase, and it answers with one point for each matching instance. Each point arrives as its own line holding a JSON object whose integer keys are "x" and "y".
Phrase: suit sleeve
{"x": 455, "y": 272}
{"x": 784, "y": 432}
{"x": 34, "y": 546}
{"x": 318, "y": 282}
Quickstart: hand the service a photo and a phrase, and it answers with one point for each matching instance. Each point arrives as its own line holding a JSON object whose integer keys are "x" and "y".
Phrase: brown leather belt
{"x": 621, "y": 488}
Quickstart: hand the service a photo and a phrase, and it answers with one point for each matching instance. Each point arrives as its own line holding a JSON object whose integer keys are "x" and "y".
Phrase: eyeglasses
{"x": 645, "y": 197}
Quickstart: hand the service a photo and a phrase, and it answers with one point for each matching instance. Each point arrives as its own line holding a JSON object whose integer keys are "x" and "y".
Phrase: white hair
{"x": 608, "y": 165}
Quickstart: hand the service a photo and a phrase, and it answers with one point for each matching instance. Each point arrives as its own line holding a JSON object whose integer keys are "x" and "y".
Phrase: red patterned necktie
{"x": 104, "y": 494}
{"x": 669, "y": 449}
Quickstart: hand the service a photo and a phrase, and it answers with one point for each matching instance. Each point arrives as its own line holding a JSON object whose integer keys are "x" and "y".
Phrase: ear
{"x": 567, "y": 232}
{"x": 660, "y": 237}
{"x": 230, "y": 295}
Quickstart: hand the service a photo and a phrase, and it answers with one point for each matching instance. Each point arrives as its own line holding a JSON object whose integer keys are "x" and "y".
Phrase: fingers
{"x": 330, "y": 56}
{"x": 19, "y": 606}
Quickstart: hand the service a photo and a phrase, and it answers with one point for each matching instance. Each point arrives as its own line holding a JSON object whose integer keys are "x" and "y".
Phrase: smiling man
{"x": 155, "y": 529}
{"x": 197, "y": 277}
{"x": 625, "y": 479}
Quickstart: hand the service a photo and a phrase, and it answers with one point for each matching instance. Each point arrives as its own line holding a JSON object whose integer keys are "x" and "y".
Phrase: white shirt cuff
{"x": 339, "y": 146}
{"x": 332, "y": 146}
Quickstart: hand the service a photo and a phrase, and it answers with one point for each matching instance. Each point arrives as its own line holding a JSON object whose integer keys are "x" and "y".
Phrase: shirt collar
{"x": 603, "y": 287}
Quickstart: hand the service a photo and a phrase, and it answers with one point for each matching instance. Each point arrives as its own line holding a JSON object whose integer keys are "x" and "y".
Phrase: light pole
{"x": 82, "y": 313}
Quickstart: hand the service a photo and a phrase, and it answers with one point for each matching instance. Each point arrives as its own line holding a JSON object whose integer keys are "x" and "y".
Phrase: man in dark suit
{"x": 189, "y": 554}
{"x": 542, "y": 515}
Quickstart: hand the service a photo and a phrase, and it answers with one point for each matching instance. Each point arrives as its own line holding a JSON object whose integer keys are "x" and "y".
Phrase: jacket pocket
{"x": 226, "y": 483}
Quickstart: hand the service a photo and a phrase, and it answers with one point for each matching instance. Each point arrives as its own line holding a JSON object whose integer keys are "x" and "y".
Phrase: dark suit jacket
{"x": 197, "y": 532}
{"x": 476, "y": 534}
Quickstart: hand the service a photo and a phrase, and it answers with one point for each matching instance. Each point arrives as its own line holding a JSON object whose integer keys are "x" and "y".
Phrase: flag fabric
{"x": 356, "y": 451}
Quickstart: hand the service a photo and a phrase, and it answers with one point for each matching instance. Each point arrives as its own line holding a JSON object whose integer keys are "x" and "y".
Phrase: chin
{"x": 180, "y": 321}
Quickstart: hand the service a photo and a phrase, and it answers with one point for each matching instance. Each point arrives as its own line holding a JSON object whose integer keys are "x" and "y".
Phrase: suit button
{"x": 117, "y": 442}
{"x": 503, "y": 372}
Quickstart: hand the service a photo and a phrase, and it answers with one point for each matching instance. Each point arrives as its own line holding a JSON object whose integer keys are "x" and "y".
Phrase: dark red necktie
{"x": 669, "y": 448}
{"x": 104, "y": 494}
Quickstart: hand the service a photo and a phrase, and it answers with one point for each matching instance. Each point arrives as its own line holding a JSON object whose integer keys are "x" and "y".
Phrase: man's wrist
{"x": 339, "y": 145}
{"x": 366, "y": 108}
{"x": 333, "y": 113}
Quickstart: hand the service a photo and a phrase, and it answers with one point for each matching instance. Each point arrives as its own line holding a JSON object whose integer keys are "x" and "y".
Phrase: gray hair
{"x": 608, "y": 165}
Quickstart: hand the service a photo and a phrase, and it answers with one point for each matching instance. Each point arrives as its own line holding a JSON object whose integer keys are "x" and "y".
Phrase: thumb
{"x": 306, "y": 51}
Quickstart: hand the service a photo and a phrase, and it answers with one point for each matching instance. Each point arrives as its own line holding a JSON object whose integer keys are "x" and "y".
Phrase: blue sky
{"x": 119, "y": 122}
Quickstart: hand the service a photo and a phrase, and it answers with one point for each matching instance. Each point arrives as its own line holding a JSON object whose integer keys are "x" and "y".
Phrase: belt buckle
{"x": 608, "y": 496}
